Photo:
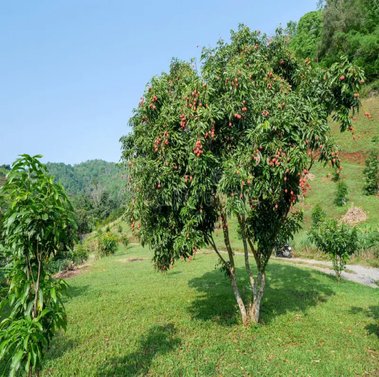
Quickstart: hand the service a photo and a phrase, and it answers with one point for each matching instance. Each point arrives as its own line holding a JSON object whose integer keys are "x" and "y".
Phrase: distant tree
{"x": 38, "y": 222}
{"x": 351, "y": 28}
{"x": 236, "y": 140}
{"x": 371, "y": 174}
{"x": 306, "y": 36}
{"x": 96, "y": 189}
{"x": 318, "y": 216}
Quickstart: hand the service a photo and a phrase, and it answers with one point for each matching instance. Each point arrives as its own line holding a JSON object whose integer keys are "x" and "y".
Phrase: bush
{"x": 119, "y": 228}
{"x": 79, "y": 254}
{"x": 369, "y": 241}
{"x": 338, "y": 240}
{"x": 59, "y": 265}
{"x": 318, "y": 216}
{"x": 371, "y": 174}
{"x": 124, "y": 240}
{"x": 341, "y": 194}
{"x": 107, "y": 244}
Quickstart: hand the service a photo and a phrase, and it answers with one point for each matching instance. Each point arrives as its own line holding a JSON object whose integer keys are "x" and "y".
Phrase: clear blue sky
{"x": 71, "y": 71}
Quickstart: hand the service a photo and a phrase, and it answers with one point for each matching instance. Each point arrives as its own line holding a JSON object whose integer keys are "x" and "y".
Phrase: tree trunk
{"x": 259, "y": 286}
{"x": 237, "y": 295}
{"x": 232, "y": 270}
{"x": 241, "y": 221}
{"x": 36, "y": 288}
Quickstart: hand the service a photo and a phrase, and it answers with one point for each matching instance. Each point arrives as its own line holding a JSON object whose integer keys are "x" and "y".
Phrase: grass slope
{"x": 125, "y": 319}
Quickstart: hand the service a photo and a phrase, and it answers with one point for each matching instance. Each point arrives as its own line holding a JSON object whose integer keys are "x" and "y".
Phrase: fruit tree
{"x": 236, "y": 139}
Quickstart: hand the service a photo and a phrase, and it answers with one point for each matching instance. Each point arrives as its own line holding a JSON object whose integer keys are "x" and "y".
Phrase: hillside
{"x": 91, "y": 178}
{"x": 96, "y": 189}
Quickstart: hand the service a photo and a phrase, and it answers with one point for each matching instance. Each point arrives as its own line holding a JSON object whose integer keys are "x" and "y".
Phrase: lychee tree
{"x": 236, "y": 139}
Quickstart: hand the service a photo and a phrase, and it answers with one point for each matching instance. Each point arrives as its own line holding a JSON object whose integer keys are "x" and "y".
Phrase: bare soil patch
{"x": 357, "y": 157}
{"x": 354, "y": 215}
{"x": 71, "y": 272}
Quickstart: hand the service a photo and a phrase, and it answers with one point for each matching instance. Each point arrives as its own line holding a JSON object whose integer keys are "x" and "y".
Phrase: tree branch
{"x": 213, "y": 243}
{"x": 241, "y": 221}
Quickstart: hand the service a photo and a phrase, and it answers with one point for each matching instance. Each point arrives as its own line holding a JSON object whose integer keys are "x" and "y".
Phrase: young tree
{"x": 38, "y": 222}
{"x": 318, "y": 216}
{"x": 339, "y": 241}
{"x": 236, "y": 140}
{"x": 371, "y": 173}
{"x": 341, "y": 194}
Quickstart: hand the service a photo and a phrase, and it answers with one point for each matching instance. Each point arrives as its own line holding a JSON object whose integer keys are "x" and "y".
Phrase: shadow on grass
{"x": 158, "y": 340}
{"x": 288, "y": 289}
{"x": 75, "y": 291}
{"x": 59, "y": 346}
{"x": 371, "y": 312}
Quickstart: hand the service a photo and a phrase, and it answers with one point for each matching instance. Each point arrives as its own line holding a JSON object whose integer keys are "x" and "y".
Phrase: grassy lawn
{"x": 125, "y": 319}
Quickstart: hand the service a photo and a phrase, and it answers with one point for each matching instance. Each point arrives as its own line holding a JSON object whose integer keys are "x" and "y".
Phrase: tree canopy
{"x": 235, "y": 139}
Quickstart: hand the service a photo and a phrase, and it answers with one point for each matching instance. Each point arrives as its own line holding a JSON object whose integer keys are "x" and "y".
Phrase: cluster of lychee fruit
{"x": 183, "y": 121}
{"x": 210, "y": 134}
{"x": 198, "y": 149}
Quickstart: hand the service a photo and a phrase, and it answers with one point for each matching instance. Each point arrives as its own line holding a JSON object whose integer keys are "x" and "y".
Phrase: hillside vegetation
{"x": 340, "y": 27}
{"x": 96, "y": 188}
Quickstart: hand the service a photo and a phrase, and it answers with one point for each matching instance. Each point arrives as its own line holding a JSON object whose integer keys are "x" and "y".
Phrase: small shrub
{"x": 318, "y": 216}
{"x": 338, "y": 240}
{"x": 80, "y": 254}
{"x": 371, "y": 174}
{"x": 124, "y": 240}
{"x": 108, "y": 229}
{"x": 119, "y": 228}
{"x": 336, "y": 176}
{"x": 107, "y": 244}
{"x": 91, "y": 245}
{"x": 341, "y": 194}
{"x": 369, "y": 241}
{"x": 59, "y": 265}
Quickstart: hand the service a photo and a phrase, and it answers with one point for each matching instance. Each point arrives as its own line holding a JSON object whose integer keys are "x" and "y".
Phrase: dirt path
{"x": 359, "y": 274}
{"x": 363, "y": 275}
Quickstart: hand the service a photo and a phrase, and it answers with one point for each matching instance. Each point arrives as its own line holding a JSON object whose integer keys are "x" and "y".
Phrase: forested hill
{"x": 90, "y": 178}
{"x": 96, "y": 188}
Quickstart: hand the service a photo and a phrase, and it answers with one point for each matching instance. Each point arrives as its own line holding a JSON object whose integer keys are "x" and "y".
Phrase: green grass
{"x": 125, "y": 319}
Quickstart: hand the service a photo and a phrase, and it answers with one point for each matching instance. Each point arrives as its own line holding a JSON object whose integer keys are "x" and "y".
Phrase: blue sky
{"x": 71, "y": 71}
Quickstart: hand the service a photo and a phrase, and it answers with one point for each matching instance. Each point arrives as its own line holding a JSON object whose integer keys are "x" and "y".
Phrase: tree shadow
{"x": 288, "y": 289}
{"x": 75, "y": 291}
{"x": 158, "y": 340}
{"x": 59, "y": 346}
{"x": 370, "y": 312}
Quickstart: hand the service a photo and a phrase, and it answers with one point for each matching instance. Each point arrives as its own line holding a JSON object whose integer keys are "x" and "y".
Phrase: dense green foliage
{"x": 38, "y": 222}
{"x": 306, "y": 34}
{"x": 237, "y": 140}
{"x": 337, "y": 240}
{"x": 107, "y": 244}
{"x": 96, "y": 188}
{"x": 318, "y": 216}
{"x": 371, "y": 174}
{"x": 341, "y": 27}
